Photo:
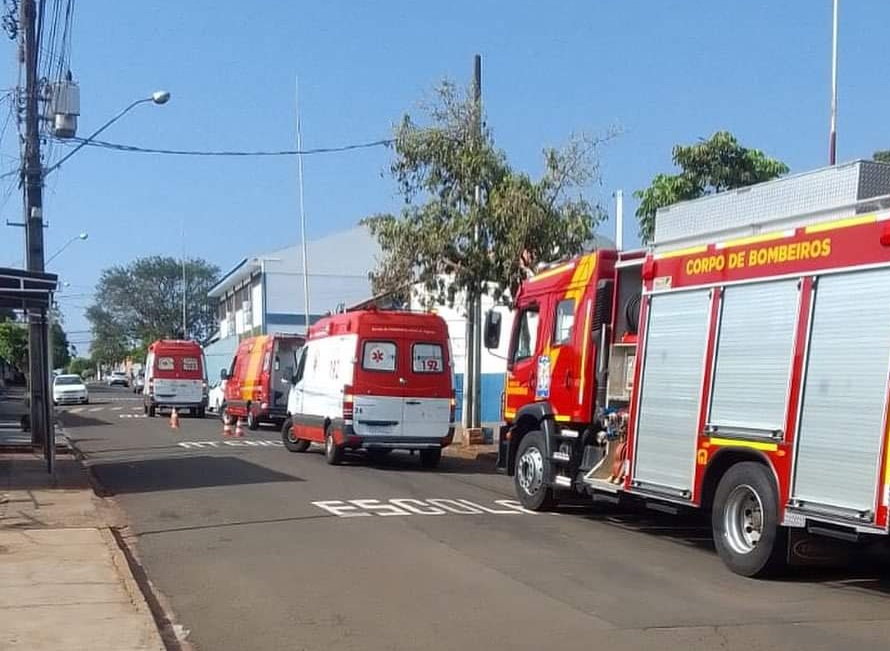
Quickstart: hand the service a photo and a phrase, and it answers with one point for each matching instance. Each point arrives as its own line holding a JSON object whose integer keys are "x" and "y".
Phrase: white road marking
{"x": 136, "y": 408}
{"x": 232, "y": 444}
{"x": 76, "y": 410}
{"x": 405, "y": 506}
{"x": 116, "y": 408}
{"x": 96, "y": 409}
{"x": 132, "y": 416}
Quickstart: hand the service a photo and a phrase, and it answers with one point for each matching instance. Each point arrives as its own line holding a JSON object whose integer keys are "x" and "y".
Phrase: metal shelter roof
{"x": 23, "y": 290}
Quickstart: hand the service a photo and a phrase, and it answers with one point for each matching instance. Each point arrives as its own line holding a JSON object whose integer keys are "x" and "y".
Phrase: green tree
{"x": 142, "y": 301}
{"x": 78, "y": 365}
{"x": 447, "y": 240}
{"x": 882, "y": 156}
{"x": 709, "y": 166}
{"x": 14, "y": 344}
{"x": 61, "y": 347}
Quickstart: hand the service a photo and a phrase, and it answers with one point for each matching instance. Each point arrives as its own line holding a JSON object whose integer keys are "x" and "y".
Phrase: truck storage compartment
{"x": 755, "y": 345}
{"x": 842, "y": 420}
{"x": 676, "y": 339}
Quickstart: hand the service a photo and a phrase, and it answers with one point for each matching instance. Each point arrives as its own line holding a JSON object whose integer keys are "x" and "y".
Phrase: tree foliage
{"x": 78, "y": 365}
{"x": 14, "y": 344}
{"x": 882, "y": 156}
{"x": 709, "y": 166}
{"x": 61, "y": 347}
{"x": 142, "y": 301}
{"x": 447, "y": 240}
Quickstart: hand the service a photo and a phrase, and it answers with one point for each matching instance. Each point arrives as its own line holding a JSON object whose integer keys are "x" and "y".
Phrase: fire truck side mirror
{"x": 492, "y": 334}
{"x": 223, "y": 374}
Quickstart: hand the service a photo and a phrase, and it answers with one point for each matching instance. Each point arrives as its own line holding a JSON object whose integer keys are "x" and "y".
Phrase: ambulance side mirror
{"x": 492, "y": 334}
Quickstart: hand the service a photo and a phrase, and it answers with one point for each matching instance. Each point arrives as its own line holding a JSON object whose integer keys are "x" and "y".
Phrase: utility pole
{"x": 472, "y": 372}
{"x": 41, "y": 410}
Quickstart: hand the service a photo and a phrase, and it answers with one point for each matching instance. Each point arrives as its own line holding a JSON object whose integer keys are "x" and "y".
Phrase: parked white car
{"x": 216, "y": 396}
{"x": 70, "y": 390}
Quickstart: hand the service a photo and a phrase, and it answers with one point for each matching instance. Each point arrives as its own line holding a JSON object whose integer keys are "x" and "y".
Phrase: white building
{"x": 264, "y": 293}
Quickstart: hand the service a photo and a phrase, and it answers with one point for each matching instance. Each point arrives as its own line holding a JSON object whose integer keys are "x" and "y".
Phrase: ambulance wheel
{"x": 529, "y": 476}
{"x": 430, "y": 458}
{"x": 292, "y": 443}
{"x": 333, "y": 453}
{"x": 745, "y": 521}
{"x": 252, "y": 423}
{"x": 151, "y": 410}
{"x": 223, "y": 416}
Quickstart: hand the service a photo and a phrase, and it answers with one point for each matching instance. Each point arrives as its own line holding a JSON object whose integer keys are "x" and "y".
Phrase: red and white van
{"x": 373, "y": 380}
{"x": 257, "y": 385}
{"x": 175, "y": 377}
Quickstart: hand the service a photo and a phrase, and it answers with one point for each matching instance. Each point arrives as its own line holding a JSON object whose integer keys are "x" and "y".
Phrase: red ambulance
{"x": 175, "y": 377}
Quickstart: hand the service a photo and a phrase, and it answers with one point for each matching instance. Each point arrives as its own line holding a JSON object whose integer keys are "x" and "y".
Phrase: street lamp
{"x": 80, "y": 236}
{"x": 158, "y": 97}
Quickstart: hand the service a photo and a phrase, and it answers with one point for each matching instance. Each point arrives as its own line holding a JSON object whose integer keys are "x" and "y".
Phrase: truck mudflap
{"x": 503, "y": 450}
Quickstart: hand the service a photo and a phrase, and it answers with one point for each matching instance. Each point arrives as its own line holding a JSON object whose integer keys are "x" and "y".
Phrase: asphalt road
{"x": 257, "y": 548}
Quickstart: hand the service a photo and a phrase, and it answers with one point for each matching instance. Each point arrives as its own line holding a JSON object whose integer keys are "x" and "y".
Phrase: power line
{"x": 197, "y": 152}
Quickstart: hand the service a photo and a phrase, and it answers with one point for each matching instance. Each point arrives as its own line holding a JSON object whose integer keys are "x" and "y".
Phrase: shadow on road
{"x": 77, "y": 420}
{"x": 406, "y": 462}
{"x": 151, "y": 475}
{"x": 867, "y": 568}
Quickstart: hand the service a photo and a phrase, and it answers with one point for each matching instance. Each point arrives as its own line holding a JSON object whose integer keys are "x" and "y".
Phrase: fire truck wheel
{"x": 292, "y": 443}
{"x": 430, "y": 458}
{"x": 333, "y": 453}
{"x": 529, "y": 475}
{"x": 252, "y": 423}
{"x": 745, "y": 521}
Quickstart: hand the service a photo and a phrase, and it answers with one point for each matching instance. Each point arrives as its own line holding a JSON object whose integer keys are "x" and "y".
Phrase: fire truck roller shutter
{"x": 844, "y": 390}
{"x": 669, "y": 394}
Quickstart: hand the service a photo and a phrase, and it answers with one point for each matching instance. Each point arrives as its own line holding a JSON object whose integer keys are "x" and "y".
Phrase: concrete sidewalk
{"x": 66, "y": 584}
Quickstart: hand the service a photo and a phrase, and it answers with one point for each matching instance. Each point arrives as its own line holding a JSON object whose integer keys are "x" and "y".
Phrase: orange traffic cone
{"x": 227, "y": 427}
{"x": 239, "y": 428}
{"x": 174, "y": 419}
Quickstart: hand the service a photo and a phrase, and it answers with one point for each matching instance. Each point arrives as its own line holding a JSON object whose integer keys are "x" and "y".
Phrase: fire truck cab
{"x": 740, "y": 365}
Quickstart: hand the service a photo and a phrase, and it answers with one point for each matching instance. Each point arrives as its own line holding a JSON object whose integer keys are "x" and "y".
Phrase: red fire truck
{"x": 746, "y": 374}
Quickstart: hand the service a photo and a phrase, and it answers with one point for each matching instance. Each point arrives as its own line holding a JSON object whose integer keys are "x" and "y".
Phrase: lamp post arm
{"x": 64, "y": 246}
{"x": 86, "y": 141}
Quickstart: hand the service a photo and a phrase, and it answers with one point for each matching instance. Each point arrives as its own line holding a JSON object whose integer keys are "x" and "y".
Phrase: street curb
{"x": 154, "y": 602}
{"x": 470, "y": 452}
{"x": 122, "y": 565}
{"x": 171, "y": 635}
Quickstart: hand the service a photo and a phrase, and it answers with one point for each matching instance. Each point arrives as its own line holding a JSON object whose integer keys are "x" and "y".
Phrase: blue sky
{"x": 666, "y": 72}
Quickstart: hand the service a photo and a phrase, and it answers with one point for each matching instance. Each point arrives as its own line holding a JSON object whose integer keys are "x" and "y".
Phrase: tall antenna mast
{"x": 305, "y": 244}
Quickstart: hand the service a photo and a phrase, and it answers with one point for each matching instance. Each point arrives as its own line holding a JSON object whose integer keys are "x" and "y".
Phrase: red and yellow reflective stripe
{"x": 252, "y": 376}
